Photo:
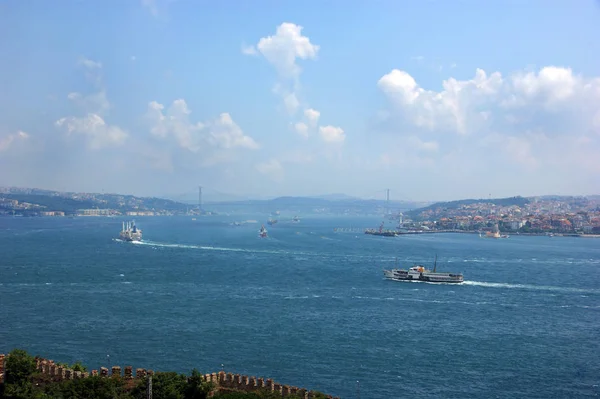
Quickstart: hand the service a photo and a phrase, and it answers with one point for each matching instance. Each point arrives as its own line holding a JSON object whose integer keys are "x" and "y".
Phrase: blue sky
{"x": 432, "y": 99}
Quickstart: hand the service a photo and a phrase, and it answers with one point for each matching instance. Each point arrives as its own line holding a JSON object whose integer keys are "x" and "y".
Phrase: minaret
{"x": 199, "y": 198}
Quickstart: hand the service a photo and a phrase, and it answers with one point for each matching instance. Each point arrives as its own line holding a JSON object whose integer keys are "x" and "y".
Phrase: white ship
{"x": 262, "y": 232}
{"x": 421, "y": 273}
{"x": 130, "y": 232}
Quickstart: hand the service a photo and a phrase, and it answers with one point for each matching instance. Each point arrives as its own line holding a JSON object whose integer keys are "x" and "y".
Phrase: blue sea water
{"x": 307, "y": 306}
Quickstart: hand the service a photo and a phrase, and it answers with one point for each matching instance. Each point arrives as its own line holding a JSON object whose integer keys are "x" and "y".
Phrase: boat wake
{"x": 248, "y": 250}
{"x": 530, "y": 287}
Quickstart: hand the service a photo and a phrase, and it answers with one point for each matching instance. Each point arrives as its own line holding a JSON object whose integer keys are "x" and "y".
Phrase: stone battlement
{"x": 59, "y": 373}
{"x": 245, "y": 383}
{"x": 221, "y": 380}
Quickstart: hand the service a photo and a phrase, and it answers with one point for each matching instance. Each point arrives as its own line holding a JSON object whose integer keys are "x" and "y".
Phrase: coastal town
{"x": 536, "y": 215}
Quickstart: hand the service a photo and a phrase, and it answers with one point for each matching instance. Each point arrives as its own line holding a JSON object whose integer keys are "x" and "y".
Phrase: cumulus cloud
{"x": 92, "y": 125}
{"x": 301, "y": 129}
{"x": 332, "y": 134}
{"x": 312, "y": 115}
{"x": 7, "y": 141}
{"x": 291, "y": 103}
{"x": 89, "y": 64}
{"x": 221, "y": 133}
{"x": 272, "y": 169}
{"x": 99, "y": 133}
{"x": 95, "y": 102}
{"x": 536, "y": 120}
{"x": 490, "y": 101}
{"x": 284, "y": 48}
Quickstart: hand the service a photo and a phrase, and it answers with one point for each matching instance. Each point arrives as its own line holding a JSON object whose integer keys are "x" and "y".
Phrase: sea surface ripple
{"x": 307, "y": 306}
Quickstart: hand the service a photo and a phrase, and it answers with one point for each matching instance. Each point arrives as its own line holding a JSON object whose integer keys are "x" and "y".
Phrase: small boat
{"x": 262, "y": 232}
{"x": 421, "y": 273}
{"x": 130, "y": 232}
{"x": 271, "y": 221}
{"x": 296, "y": 219}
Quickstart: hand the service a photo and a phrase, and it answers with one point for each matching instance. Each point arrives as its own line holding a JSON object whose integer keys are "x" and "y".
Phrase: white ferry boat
{"x": 130, "y": 232}
{"x": 421, "y": 273}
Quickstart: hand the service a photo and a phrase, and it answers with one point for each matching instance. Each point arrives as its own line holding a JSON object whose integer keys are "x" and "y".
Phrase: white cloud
{"x": 301, "y": 129}
{"x": 221, "y": 133}
{"x": 100, "y": 134}
{"x": 249, "y": 50}
{"x": 89, "y": 64}
{"x": 285, "y": 47}
{"x": 7, "y": 141}
{"x": 92, "y": 125}
{"x": 272, "y": 169}
{"x": 491, "y": 102}
{"x": 283, "y": 50}
{"x": 312, "y": 115}
{"x": 96, "y": 102}
{"x": 540, "y": 123}
{"x": 332, "y": 134}
{"x": 291, "y": 103}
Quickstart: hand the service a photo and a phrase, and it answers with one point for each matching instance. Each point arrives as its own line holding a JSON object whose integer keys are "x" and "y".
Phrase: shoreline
{"x": 575, "y": 235}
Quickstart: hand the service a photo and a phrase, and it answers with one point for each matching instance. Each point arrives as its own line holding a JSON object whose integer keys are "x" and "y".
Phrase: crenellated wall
{"x": 222, "y": 380}
{"x": 59, "y": 373}
{"x": 245, "y": 383}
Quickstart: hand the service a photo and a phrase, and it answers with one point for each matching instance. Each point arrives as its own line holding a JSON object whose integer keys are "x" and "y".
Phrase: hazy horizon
{"x": 219, "y": 197}
{"x": 156, "y": 97}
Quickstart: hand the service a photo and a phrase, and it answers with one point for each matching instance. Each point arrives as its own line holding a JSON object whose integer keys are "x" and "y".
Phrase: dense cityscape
{"x": 551, "y": 214}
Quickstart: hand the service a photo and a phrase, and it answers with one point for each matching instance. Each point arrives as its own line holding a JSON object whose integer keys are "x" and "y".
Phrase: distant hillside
{"x": 70, "y": 202}
{"x": 519, "y": 201}
{"x": 336, "y": 197}
{"x": 311, "y": 203}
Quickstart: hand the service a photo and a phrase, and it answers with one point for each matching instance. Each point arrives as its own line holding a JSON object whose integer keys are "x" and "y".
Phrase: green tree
{"x": 197, "y": 387}
{"x": 95, "y": 387}
{"x": 168, "y": 385}
{"x": 19, "y": 368}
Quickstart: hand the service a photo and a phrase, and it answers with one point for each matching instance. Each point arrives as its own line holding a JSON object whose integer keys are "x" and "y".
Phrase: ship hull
{"x": 382, "y": 234}
{"x": 129, "y": 239}
{"x": 429, "y": 277}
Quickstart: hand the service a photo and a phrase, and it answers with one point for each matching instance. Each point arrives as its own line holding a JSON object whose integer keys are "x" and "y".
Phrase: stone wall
{"x": 222, "y": 380}
{"x": 245, "y": 383}
{"x": 2, "y": 358}
{"x": 59, "y": 373}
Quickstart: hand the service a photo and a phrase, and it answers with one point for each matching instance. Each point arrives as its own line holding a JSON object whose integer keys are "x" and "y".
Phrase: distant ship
{"x": 130, "y": 232}
{"x": 421, "y": 273}
{"x": 381, "y": 232}
{"x": 296, "y": 219}
{"x": 272, "y": 221}
{"x": 495, "y": 233}
{"x": 262, "y": 232}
